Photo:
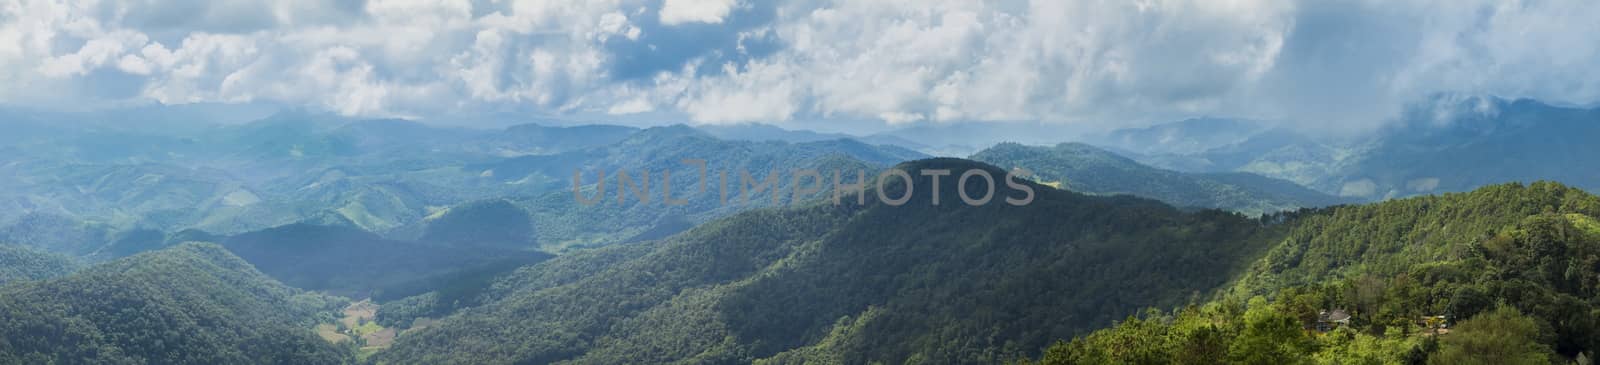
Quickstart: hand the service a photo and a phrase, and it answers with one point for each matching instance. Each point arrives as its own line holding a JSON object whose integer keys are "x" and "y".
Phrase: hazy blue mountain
{"x": 958, "y": 139}
{"x": 1084, "y": 168}
{"x": 1460, "y": 145}
{"x": 1446, "y": 144}
{"x": 385, "y": 176}
{"x": 763, "y": 132}
{"x": 56, "y": 234}
{"x": 1183, "y": 137}
{"x": 559, "y": 221}
{"x": 236, "y": 177}
{"x": 534, "y": 139}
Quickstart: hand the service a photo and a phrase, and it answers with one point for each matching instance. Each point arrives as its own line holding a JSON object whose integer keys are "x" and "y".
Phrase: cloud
{"x": 674, "y": 12}
{"x": 1329, "y": 65}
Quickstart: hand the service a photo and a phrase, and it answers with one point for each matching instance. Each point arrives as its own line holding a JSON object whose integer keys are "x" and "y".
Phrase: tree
{"x": 1501, "y": 336}
{"x": 1269, "y": 336}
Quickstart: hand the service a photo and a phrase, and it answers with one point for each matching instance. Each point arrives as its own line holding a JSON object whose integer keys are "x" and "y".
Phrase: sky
{"x": 1313, "y": 64}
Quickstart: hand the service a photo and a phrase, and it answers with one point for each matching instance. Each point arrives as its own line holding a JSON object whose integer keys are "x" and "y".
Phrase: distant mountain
{"x": 957, "y": 139}
{"x": 533, "y": 139}
{"x": 852, "y": 284}
{"x": 377, "y": 174}
{"x": 763, "y": 132}
{"x": 1460, "y": 145}
{"x": 1446, "y": 144}
{"x": 1084, "y": 168}
{"x": 560, "y": 221}
{"x": 56, "y": 234}
{"x": 1187, "y": 136}
{"x": 191, "y": 304}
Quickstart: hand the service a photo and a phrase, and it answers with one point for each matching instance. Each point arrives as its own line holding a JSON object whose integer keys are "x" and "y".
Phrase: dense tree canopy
{"x": 855, "y": 284}
{"x": 190, "y": 304}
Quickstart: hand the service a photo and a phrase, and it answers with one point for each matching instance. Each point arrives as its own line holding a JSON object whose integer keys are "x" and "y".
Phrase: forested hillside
{"x": 349, "y": 261}
{"x": 854, "y": 283}
{"x": 19, "y": 263}
{"x": 190, "y": 304}
{"x": 1084, "y": 168}
{"x": 1504, "y": 274}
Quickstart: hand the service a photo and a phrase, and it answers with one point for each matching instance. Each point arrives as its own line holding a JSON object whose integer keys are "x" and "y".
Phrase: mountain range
{"x": 309, "y": 238}
{"x": 1449, "y": 144}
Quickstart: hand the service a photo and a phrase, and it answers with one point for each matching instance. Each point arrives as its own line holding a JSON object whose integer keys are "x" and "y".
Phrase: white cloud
{"x": 1337, "y": 64}
{"x": 675, "y": 12}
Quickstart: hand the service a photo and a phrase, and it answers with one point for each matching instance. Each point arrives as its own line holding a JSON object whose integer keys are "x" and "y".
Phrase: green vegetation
{"x": 858, "y": 284}
{"x": 356, "y": 263}
{"x": 190, "y": 304}
{"x": 491, "y": 223}
{"x": 19, "y": 264}
{"x": 1505, "y": 274}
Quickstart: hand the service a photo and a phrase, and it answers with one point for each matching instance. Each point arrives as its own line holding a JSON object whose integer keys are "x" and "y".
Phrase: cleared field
{"x": 330, "y": 333}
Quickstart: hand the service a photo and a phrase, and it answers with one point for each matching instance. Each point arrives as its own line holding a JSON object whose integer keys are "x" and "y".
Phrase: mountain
{"x": 190, "y": 304}
{"x": 378, "y": 174}
{"x": 1503, "y": 274}
{"x": 559, "y": 221}
{"x": 387, "y": 176}
{"x": 55, "y": 233}
{"x": 350, "y": 261}
{"x": 496, "y": 223}
{"x": 762, "y": 132}
{"x": 1084, "y": 168}
{"x": 1475, "y": 142}
{"x": 956, "y": 139}
{"x": 1187, "y": 136}
{"x": 1449, "y": 143}
{"x": 21, "y": 264}
{"x": 533, "y": 139}
{"x": 852, "y": 283}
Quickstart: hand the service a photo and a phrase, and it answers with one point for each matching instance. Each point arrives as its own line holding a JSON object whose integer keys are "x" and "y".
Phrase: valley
{"x": 316, "y": 239}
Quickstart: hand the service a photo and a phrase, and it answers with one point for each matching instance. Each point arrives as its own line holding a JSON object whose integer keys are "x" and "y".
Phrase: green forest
{"x": 189, "y": 304}
{"x": 1502, "y": 275}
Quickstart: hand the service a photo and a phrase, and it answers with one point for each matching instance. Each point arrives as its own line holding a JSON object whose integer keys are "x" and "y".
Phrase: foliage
{"x": 853, "y": 284}
{"x": 349, "y": 261}
{"x": 1419, "y": 285}
{"x": 491, "y": 223}
{"x": 19, "y": 264}
{"x": 190, "y": 304}
{"x": 1501, "y": 336}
